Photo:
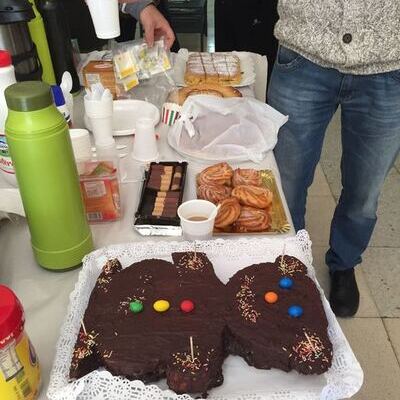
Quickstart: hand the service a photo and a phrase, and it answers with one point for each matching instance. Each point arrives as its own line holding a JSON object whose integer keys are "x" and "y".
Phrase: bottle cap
{"x": 11, "y": 316}
{"x": 28, "y": 96}
{"x": 5, "y": 59}
{"x": 58, "y": 95}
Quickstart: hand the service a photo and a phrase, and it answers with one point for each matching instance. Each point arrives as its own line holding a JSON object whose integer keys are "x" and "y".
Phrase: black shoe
{"x": 344, "y": 297}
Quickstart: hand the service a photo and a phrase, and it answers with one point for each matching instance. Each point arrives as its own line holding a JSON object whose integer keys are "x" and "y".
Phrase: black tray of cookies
{"x": 162, "y": 194}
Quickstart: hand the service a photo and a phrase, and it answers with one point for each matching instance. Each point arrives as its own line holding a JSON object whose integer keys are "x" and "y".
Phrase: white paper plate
{"x": 126, "y": 113}
{"x": 246, "y": 66}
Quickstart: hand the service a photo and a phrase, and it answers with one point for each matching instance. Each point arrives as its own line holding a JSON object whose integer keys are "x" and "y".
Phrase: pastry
{"x": 252, "y": 220}
{"x": 219, "y": 174}
{"x": 249, "y": 177}
{"x": 261, "y": 329}
{"x": 222, "y": 68}
{"x": 214, "y": 193}
{"x": 207, "y": 88}
{"x": 228, "y": 213}
{"x": 253, "y": 196}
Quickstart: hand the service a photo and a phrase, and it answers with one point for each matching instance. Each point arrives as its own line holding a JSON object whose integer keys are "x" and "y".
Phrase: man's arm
{"x": 154, "y": 24}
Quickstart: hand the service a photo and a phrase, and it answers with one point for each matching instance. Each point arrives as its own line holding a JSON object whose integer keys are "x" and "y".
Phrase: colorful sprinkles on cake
{"x": 309, "y": 349}
{"x": 86, "y": 349}
{"x": 246, "y": 299}
{"x": 290, "y": 267}
{"x": 191, "y": 261}
{"x": 190, "y": 364}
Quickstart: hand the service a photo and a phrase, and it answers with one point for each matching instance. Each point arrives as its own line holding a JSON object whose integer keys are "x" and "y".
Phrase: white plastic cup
{"x": 105, "y": 16}
{"x": 81, "y": 145}
{"x": 145, "y": 146}
{"x": 197, "y": 230}
{"x": 100, "y": 113}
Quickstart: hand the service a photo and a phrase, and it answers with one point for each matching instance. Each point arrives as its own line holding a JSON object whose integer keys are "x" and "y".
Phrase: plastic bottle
{"x": 44, "y": 163}
{"x": 20, "y": 377}
{"x": 38, "y": 35}
{"x": 7, "y": 78}
{"x": 59, "y": 101}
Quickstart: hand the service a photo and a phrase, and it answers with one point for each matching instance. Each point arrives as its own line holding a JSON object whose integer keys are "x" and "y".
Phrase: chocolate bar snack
{"x": 162, "y": 194}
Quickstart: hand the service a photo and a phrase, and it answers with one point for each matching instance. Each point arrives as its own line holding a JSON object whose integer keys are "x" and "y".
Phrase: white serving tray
{"x": 246, "y": 66}
{"x": 242, "y": 382}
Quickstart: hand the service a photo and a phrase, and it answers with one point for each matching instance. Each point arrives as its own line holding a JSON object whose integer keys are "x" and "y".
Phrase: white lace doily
{"x": 242, "y": 382}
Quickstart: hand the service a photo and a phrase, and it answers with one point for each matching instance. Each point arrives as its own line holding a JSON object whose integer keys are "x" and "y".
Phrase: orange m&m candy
{"x": 271, "y": 297}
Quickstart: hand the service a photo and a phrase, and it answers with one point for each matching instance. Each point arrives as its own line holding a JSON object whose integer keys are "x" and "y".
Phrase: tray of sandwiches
{"x": 234, "y": 69}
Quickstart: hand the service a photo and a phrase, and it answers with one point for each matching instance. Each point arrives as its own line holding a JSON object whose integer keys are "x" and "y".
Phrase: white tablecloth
{"x": 44, "y": 294}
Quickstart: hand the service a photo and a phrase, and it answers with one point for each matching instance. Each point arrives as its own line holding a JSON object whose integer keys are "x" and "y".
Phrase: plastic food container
{"x": 100, "y": 191}
{"x": 19, "y": 366}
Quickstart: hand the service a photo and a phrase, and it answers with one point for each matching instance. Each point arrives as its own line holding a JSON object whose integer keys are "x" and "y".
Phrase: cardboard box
{"x": 103, "y": 72}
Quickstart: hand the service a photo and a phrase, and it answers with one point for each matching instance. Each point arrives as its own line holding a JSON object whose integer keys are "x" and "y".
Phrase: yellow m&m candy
{"x": 161, "y": 306}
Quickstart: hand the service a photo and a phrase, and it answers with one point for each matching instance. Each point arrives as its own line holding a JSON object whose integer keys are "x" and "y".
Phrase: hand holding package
{"x": 214, "y": 129}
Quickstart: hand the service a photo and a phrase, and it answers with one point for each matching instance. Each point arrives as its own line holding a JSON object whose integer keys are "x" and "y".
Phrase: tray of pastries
{"x": 226, "y": 68}
{"x": 249, "y": 198}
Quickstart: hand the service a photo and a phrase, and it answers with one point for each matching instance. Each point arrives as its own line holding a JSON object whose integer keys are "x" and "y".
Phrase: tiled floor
{"x": 375, "y": 331}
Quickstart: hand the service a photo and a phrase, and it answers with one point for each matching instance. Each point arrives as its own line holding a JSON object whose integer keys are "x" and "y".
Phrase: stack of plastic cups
{"x": 81, "y": 146}
{"x": 145, "y": 147}
{"x": 100, "y": 113}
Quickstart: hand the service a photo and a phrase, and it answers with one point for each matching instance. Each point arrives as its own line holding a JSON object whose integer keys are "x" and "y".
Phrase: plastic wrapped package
{"x": 236, "y": 129}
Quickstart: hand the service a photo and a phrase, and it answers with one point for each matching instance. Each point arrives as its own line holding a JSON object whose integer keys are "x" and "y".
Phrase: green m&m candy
{"x": 136, "y": 307}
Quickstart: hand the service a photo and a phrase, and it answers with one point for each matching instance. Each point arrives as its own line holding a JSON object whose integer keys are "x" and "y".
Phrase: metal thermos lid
{"x": 12, "y": 11}
{"x": 28, "y": 96}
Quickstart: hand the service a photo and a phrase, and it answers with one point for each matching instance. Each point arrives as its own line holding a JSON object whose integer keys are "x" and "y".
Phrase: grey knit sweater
{"x": 353, "y": 36}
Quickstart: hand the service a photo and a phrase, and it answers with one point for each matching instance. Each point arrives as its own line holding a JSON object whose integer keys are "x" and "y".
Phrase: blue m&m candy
{"x": 295, "y": 311}
{"x": 286, "y": 283}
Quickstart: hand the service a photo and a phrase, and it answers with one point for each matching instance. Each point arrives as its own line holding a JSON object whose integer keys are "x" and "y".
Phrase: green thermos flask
{"x": 41, "y": 150}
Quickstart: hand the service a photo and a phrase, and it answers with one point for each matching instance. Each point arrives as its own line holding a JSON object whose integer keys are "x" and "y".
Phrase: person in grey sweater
{"x": 339, "y": 53}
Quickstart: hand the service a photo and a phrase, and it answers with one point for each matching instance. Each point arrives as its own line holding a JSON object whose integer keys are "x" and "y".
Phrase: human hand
{"x": 156, "y": 26}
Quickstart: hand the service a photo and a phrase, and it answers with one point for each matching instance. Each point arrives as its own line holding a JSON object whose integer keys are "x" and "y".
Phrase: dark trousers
{"x": 247, "y": 25}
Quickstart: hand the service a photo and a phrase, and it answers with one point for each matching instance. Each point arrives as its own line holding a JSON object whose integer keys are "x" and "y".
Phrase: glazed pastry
{"x": 253, "y": 196}
{"x": 222, "y": 68}
{"x": 218, "y": 174}
{"x": 252, "y": 220}
{"x": 247, "y": 177}
{"x": 228, "y": 213}
{"x": 211, "y": 89}
{"x": 213, "y": 193}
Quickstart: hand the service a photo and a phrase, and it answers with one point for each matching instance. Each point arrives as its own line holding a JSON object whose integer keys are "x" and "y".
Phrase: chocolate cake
{"x": 276, "y": 318}
{"x": 157, "y": 319}
{"x": 150, "y": 345}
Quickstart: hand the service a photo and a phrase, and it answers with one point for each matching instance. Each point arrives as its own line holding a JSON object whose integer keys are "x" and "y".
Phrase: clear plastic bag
{"x": 135, "y": 62}
{"x": 236, "y": 129}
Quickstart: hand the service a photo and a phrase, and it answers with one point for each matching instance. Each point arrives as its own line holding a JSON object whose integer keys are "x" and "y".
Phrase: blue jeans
{"x": 370, "y": 109}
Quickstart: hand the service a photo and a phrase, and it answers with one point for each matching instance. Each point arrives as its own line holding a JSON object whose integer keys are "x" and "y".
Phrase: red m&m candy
{"x": 187, "y": 306}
